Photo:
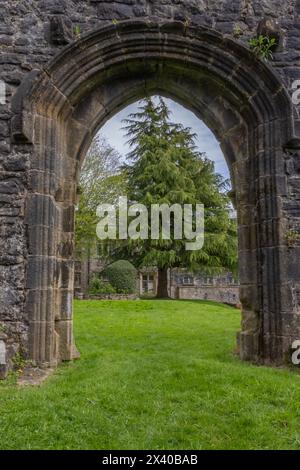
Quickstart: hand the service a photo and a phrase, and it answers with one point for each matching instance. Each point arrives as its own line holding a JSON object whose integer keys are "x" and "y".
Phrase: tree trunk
{"x": 162, "y": 284}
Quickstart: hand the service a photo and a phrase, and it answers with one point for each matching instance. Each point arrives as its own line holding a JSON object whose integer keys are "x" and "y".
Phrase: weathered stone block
{"x": 22, "y": 128}
{"x": 41, "y": 210}
{"x": 3, "y": 360}
{"x": 41, "y": 304}
{"x": 61, "y": 30}
{"x": 64, "y": 329}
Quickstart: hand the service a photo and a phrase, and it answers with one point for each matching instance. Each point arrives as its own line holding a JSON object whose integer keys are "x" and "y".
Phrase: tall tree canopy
{"x": 101, "y": 181}
{"x": 164, "y": 167}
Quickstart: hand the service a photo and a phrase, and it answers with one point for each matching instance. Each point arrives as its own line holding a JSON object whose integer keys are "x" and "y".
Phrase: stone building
{"x": 182, "y": 284}
{"x": 193, "y": 286}
{"x": 198, "y": 286}
{"x": 66, "y": 66}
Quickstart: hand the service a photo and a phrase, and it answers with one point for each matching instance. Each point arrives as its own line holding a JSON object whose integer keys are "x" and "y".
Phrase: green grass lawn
{"x": 154, "y": 375}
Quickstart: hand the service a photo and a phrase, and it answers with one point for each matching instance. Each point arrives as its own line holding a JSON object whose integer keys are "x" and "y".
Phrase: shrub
{"x": 262, "y": 46}
{"x": 292, "y": 238}
{"x": 122, "y": 275}
{"x": 98, "y": 286}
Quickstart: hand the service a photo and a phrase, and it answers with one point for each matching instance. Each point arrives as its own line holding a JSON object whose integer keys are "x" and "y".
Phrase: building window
{"x": 77, "y": 279}
{"x": 148, "y": 283}
{"x": 187, "y": 280}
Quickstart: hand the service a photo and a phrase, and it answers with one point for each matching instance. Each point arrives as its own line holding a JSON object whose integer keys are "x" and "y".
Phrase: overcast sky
{"x": 206, "y": 141}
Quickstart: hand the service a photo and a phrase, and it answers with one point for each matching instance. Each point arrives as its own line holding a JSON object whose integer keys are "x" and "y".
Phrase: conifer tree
{"x": 164, "y": 167}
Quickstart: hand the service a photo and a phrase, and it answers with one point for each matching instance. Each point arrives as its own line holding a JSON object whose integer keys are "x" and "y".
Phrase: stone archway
{"x": 59, "y": 110}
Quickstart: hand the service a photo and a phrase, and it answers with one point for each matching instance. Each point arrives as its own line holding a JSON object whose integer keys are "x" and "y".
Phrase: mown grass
{"x": 154, "y": 375}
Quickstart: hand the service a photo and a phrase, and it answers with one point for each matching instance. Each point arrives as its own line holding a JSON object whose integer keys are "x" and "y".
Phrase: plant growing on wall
{"x": 237, "y": 31}
{"x": 263, "y": 47}
{"x": 77, "y": 31}
{"x": 292, "y": 237}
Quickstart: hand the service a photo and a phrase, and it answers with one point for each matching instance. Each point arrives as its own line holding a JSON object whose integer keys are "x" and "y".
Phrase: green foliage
{"x": 263, "y": 46}
{"x": 19, "y": 362}
{"x": 98, "y": 286}
{"x": 165, "y": 168}
{"x": 100, "y": 182}
{"x": 292, "y": 237}
{"x": 237, "y": 31}
{"x": 77, "y": 30}
{"x": 122, "y": 275}
{"x": 99, "y": 173}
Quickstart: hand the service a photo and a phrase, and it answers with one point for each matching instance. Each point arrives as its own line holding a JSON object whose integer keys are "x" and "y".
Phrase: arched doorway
{"x": 235, "y": 94}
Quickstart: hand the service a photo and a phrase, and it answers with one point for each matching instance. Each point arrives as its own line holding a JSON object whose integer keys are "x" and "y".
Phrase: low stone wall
{"x": 113, "y": 297}
{"x": 228, "y": 295}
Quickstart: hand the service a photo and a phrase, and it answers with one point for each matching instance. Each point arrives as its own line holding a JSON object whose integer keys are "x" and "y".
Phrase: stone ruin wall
{"x": 32, "y": 32}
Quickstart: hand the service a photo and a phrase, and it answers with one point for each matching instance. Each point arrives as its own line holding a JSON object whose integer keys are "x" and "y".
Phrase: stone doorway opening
{"x": 102, "y": 179}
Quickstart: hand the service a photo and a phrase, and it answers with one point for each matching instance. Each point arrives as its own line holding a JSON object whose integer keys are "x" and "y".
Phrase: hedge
{"x": 122, "y": 275}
